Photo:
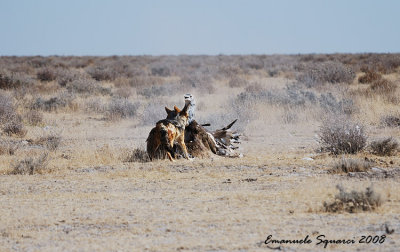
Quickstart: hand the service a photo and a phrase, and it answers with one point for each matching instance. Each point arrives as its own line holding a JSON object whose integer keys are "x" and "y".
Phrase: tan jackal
{"x": 161, "y": 139}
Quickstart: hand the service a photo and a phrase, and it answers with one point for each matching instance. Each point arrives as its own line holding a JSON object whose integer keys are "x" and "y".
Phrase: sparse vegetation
{"x": 339, "y": 135}
{"x": 34, "y": 117}
{"x": 8, "y": 147}
{"x": 92, "y": 116}
{"x": 47, "y": 74}
{"x": 369, "y": 76}
{"x": 51, "y": 141}
{"x": 354, "y": 201}
{"x": 391, "y": 121}
{"x": 346, "y": 165}
{"x": 384, "y": 147}
{"x": 138, "y": 155}
{"x": 121, "y": 108}
{"x": 327, "y": 72}
{"x": 30, "y": 166}
{"x": 62, "y": 100}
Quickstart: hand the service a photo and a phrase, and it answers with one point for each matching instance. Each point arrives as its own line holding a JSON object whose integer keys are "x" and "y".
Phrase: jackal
{"x": 161, "y": 139}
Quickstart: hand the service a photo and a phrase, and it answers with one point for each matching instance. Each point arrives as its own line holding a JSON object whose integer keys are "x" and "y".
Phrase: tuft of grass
{"x": 34, "y": 117}
{"x": 369, "y": 76}
{"x": 62, "y": 100}
{"x": 354, "y": 201}
{"x": 121, "y": 108}
{"x": 14, "y": 80}
{"x": 347, "y": 165}
{"x": 138, "y": 155}
{"x": 340, "y": 135}
{"x": 383, "y": 87}
{"x": 8, "y": 147}
{"x": 47, "y": 74}
{"x": 51, "y": 141}
{"x": 327, "y": 72}
{"x": 384, "y": 147}
{"x": 391, "y": 121}
{"x": 14, "y": 127}
{"x": 30, "y": 166}
{"x": 87, "y": 86}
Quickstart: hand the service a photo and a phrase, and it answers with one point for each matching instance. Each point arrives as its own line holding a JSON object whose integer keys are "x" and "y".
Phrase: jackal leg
{"x": 181, "y": 142}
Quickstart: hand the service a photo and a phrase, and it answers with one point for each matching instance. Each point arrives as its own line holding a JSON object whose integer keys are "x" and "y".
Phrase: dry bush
{"x": 354, "y": 201}
{"x": 254, "y": 87}
{"x": 330, "y": 103}
{"x": 123, "y": 92}
{"x": 12, "y": 80}
{"x": 162, "y": 71}
{"x": 10, "y": 121}
{"x": 331, "y": 72}
{"x": 198, "y": 80}
{"x": 153, "y": 112}
{"x": 95, "y": 105}
{"x": 47, "y": 74}
{"x": 51, "y": 141}
{"x": 138, "y": 155}
{"x": 167, "y": 89}
{"x": 369, "y": 76}
{"x": 7, "y": 109}
{"x": 34, "y": 117}
{"x": 102, "y": 73}
{"x": 390, "y": 121}
{"x": 14, "y": 127}
{"x": 347, "y": 165}
{"x": 237, "y": 82}
{"x": 65, "y": 76}
{"x": 384, "y": 147}
{"x": 30, "y": 165}
{"x": 339, "y": 135}
{"x": 8, "y": 147}
{"x": 62, "y": 100}
{"x": 121, "y": 108}
{"x": 87, "y": 86}
{"x": 383, "y": 87}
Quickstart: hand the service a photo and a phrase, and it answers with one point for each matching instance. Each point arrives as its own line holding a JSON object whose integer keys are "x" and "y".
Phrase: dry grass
{"x": 30, "y": 165}
{"x": 384, "y": 147}
{"x": 354, "y": 201}
{"x": 96, "y": 190}
{"x": 346, "y": 165}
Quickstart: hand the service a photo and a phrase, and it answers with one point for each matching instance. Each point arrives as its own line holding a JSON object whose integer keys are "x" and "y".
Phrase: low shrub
{"x": 390, "y": 121}
{"x": 30, "y": 165}
{"x": 14, "y": 127}
{"x": 87, "y": 86}
{"x": 354, "y": 201}
{"x": 330, "y": 72}
{"x": 13, "y": 80}
{"x": 34, "y": 117}
{"x": 63, "y": 100}
{"x": 51, "y": 141}
{"x": 8, "y": 147}
{"x": 138, "y": 155}
{"x": 347, "y": 165}
{"x": 383, "y": 87}
{"x": 102, "y": 73}
{"x": 339, "y": 135}
{"x": 384, "y": 147}
{"x": 47, "y": 74}
{"x": 121, "y": 108}
{"x": 369, "y": 76}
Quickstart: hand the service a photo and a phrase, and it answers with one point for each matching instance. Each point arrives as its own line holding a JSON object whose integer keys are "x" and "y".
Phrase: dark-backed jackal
{"x": 160, "y": 142}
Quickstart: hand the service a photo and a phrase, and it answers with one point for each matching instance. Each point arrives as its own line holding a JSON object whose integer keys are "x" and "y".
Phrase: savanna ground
{"x": 73, "y": 176}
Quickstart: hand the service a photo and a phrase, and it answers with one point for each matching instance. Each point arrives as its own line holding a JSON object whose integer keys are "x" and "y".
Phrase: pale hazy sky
{"x": 122, "y": 27}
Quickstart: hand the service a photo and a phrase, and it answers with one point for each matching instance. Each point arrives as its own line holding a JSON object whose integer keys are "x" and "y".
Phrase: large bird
{"x": 201, "y": 141}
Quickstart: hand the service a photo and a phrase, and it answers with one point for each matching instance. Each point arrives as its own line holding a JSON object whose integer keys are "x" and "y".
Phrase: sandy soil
{"x": 206, "y": 205}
